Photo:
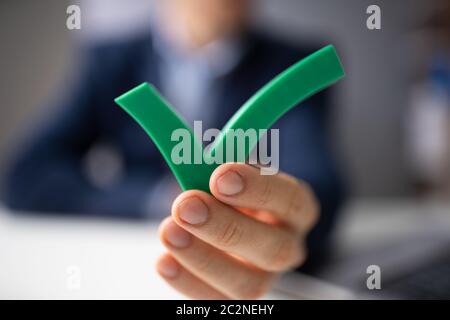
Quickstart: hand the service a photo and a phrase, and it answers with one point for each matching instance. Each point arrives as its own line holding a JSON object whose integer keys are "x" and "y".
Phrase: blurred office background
{"x": 38, "y": 55}
{"x": 391, "y": 127}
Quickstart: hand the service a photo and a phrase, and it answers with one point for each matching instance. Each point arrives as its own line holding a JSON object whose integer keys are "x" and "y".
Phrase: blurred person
{"x": 429, "y": 112}
{"x": 203, "y": 56}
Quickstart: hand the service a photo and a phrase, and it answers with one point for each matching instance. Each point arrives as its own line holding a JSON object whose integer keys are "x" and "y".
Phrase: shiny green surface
{"x": 305, "y": 78}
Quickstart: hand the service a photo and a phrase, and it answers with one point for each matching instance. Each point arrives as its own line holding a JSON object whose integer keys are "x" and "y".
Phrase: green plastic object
{"x": 159, "y": 120}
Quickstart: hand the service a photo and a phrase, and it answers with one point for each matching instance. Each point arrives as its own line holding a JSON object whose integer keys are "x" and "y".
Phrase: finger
{"x": 184, "y": 281}
{"x": 229, "y": 276}
{"x": 291, "y": 200}
{"x": 269, "y": 247}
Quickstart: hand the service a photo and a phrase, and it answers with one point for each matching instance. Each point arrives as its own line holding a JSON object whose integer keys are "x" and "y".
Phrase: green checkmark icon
{"x": 159, "y": 120}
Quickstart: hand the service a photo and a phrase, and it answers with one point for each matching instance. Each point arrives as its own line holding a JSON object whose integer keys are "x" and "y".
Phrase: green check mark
{"x": 159, "y": 120}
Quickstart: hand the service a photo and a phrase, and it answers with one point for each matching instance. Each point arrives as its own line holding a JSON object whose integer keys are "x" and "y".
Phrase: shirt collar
{"x": 219, "y": 57}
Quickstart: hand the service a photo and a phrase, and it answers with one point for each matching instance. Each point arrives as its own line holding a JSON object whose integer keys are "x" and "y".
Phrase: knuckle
{"x": 265, "y": 194}
{"x": 204, "y": 263}
{"x": 230, "y": 235}
{"x": 285, "y": 255}
{"x": 302, "y": 256}
{"x": 302, "y": 206}
{"x": 312, "y": 210}
{"x": 294, "y": 201}
{"x": 256, "y": 287}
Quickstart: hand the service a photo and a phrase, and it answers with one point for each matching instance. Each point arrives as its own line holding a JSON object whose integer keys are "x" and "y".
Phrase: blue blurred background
{"x": 390, "y": 127}
{"x": 39, "y": 55}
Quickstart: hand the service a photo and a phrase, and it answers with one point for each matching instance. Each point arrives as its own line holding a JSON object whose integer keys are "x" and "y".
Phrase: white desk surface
{"x": 42, "y": 257}
{"x": 67, "y": 258}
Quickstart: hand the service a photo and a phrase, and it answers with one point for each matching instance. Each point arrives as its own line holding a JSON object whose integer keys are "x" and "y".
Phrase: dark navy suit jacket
{"x": 47, "y": 173}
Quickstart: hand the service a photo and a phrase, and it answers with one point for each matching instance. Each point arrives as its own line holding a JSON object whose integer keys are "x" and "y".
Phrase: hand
{"x": 232, "y": 244}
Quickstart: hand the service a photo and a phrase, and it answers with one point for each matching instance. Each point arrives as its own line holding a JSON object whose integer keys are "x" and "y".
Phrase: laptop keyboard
{"x": 429, "y": 282}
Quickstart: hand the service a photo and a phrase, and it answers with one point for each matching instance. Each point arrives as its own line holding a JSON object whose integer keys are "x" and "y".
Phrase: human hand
{"x": 233, "y": 243}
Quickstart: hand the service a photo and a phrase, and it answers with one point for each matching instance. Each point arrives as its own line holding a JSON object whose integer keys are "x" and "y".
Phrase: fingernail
{"x": 176, "y": 236}
{"x": 193, "y": 211}
{"x": 168, "y": 268}
{"x": 230, "y": 183}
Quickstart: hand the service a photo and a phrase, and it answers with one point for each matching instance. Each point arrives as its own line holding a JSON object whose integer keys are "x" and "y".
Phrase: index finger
{"x": 289, "y": 199}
